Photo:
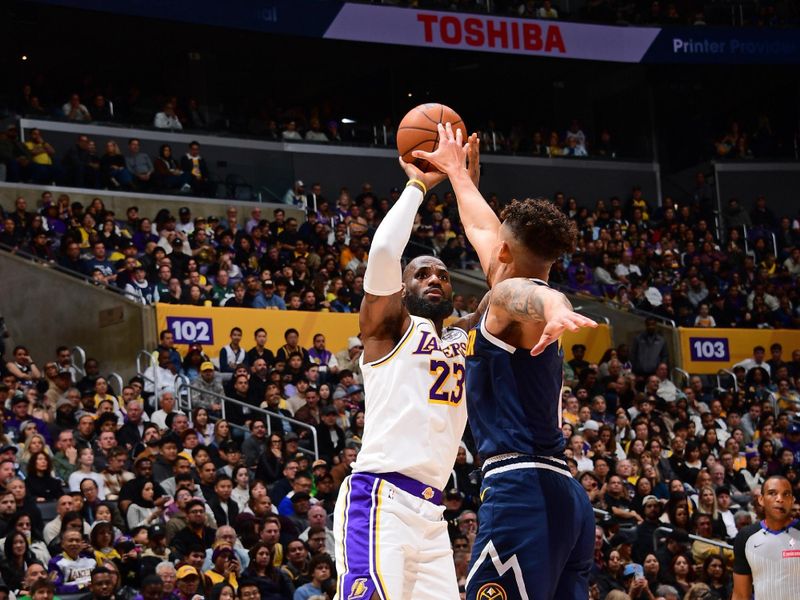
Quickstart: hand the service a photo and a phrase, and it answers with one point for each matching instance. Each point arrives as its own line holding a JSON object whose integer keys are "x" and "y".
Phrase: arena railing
{"x": 683, "y": 374}
{"x": 78, "y": 360}
{"x": 696, "y": 538}
{"x": 115, "y": 383}
{"x": 276, "y": 164}
{"x": 727, "y": 373}
{"x": 267, "y": 414}
{"x": 184, "y": 393}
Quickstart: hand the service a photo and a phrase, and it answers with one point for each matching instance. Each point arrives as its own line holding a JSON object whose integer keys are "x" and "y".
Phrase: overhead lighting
{"x": 24, "y": 57}
{"x": 347, "y": 121}
{"x": 410, "y": 94}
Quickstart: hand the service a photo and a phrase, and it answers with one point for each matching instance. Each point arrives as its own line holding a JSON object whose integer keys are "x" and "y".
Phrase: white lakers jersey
{"x": 416, "y": 406}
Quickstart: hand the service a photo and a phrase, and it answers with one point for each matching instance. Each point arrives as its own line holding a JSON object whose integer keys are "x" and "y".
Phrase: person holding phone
{"x": 226, "y": 567}
{"x": 636, "y": 583}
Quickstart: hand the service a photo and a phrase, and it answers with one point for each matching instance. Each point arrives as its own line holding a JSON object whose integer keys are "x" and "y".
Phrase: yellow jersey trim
{"x": 403, "y": 341}
{"x": 377, "y": 539}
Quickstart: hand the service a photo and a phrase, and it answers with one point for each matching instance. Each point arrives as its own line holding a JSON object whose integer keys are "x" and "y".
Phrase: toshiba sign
{"x": 487, "y": 33}
{"x": 493, "y": 33}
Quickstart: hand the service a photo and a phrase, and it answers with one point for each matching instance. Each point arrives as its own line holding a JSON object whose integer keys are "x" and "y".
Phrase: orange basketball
{"x": 418, "y": 131}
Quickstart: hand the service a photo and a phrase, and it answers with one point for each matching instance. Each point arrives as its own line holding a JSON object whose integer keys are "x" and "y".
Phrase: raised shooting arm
{"x": 383, "y": 318}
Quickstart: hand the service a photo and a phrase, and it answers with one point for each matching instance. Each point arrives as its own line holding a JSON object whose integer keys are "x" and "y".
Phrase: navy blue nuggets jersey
{"x": 536, "y": 534}
{"x": 513, "y": 398}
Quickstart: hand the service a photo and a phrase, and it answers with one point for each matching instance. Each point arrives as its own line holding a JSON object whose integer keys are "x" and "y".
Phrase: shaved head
{"x": 416, "y": 263}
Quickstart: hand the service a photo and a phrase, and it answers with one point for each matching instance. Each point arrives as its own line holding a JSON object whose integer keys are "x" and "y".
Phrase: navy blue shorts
{"x": 535, "y": 540}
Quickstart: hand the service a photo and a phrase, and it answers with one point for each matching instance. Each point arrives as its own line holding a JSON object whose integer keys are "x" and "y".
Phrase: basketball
{"x": 418, "y": 131}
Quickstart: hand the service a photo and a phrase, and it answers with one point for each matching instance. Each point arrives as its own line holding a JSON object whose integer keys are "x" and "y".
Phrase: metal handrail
{"x": 78, "y": 354}
{"x": 720, "y": 544}
{"x": 151, "y": 363}
{"x": 682, "y": 373}
{"x": 267, "y": 413}
{"x": 184, "y": 402}
{"x": 722, "y": 372}
{"x": 115, "y": 378}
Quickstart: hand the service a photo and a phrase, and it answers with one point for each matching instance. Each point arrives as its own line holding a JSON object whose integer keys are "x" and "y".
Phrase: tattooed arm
{"x": 526, "y": 303}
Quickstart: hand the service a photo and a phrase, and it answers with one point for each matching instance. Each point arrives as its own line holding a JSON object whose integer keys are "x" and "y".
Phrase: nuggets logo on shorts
{"x": 491, "y": 591}
{"x": 358, "y": 589}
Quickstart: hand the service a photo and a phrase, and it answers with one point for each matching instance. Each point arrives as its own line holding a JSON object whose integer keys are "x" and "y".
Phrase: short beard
{"x": 435, "y": 311}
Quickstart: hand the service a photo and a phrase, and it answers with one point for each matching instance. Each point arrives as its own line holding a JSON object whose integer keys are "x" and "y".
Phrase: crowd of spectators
{"x": 83, "y": 165}
{"x": 293, "y": 125}
{"x": 105, "y": 494}
{"x": 228, "y": 260}
{"x": 689, "y": 457}
{"x": 770, "y": 13}
{"x": 668, "y": 260}
{"x": 649, "y": 453}
{"x": 665, "y": 260}
{"x": 131, "y": 486}
{"x": 739, "y": 143}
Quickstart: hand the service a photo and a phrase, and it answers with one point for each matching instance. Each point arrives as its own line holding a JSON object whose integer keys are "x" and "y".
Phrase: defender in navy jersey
{"x": 536, "y": 526}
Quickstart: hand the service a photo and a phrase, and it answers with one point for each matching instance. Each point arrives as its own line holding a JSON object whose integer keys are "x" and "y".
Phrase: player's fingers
{"x": 459, "y": 137}
{"x": 422, "y": 154}
{"x": 584, "y": 321}
{"x": 449, "y": 128}
{"x": 544, "y": 342}
{"x": 442, "y": 131}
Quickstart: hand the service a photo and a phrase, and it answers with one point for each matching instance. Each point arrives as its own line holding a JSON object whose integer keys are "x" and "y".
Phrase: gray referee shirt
{"x": 772, "y": 558}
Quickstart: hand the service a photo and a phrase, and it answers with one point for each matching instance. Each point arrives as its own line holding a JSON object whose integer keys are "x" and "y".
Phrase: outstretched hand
{"x": 558, "y": 320}
{"x": 451, "y": 154}
{"x": 431, "y": 179}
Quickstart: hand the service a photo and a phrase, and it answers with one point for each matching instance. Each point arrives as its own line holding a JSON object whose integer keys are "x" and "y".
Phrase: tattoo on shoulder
{"x": 522, "y": 299}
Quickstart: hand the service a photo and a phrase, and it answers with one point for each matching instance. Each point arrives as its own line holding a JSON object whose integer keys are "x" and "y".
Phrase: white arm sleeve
{"x": 384, "y": 275}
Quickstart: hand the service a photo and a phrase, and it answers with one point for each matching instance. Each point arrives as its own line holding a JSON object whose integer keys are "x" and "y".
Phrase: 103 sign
{"x": 186, "y": 330}
{"x": 709, "y": 349}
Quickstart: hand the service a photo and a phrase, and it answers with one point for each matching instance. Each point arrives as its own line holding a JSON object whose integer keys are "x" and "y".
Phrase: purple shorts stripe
{"x": 358, "y": 583}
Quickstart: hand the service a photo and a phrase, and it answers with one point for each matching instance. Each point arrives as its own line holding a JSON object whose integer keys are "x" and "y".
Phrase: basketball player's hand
{"x": 559, "y": 317}
{"x": 430, "y": 179}
{"x": 451, "y": 154}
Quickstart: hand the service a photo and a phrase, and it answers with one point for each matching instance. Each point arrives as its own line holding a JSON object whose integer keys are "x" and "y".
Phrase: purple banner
{"x": 709, "y": 349}
{"x": 189, "y": 330}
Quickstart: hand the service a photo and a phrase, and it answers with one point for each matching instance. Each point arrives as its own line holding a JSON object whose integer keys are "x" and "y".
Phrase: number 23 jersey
{"x": 415, "y": 399}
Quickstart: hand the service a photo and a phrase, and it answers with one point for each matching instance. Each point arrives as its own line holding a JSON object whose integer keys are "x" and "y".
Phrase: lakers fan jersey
{"x": 514, "y": 398}
{"x": 415, "y": 405}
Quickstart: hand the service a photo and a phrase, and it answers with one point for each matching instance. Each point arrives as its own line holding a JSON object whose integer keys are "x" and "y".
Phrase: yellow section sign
{"x": 707, "y": 350}
{"x": 211, "y": 326}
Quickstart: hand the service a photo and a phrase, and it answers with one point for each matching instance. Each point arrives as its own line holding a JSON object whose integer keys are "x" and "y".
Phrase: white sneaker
{"x": 186, "y": 188}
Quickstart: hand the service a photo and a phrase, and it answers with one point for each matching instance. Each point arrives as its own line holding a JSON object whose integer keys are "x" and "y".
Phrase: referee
{"x": 767, "y": 554}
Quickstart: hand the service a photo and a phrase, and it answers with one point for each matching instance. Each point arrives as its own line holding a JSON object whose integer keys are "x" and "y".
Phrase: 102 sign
{"x": 188, "y": 330}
